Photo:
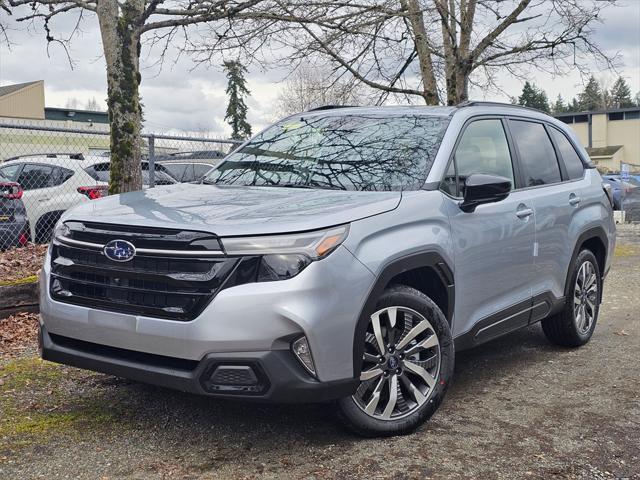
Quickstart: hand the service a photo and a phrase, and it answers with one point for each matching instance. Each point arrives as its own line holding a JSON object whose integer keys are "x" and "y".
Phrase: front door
{"x": 493, "y": 246}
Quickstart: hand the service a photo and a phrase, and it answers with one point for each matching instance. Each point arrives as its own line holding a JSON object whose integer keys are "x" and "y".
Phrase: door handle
{"x": 574, "y": 200}
{"x": 524, "y": 212}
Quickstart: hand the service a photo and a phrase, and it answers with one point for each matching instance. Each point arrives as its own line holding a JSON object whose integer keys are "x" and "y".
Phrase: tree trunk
{"x": 416, "y": 19}
{"x": 121, "y": 44}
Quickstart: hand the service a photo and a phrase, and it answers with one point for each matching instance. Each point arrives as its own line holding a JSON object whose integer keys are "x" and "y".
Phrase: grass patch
{"x": 36, "y": 404}
{"x": 20, "y": 281}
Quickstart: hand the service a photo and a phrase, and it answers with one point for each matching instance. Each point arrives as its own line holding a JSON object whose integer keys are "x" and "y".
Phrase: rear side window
{"x": 11, "y": 171}
{"x": 571, "y": 160}
{"x": 200, "y": 170}
{"x": 179, "y": 171}
{"x": 537, "y": 156}
{"x": 62, "y": 175}
{"x": 33, "y": 177}
{"x": 99, "y": 172}
{"x": 483, "y": 148}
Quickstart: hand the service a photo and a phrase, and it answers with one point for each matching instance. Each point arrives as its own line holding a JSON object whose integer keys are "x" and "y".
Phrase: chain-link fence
{"x": 45, "y": 170}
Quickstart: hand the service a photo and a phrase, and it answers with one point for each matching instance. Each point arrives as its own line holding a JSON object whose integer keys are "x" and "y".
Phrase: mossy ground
{"x": 623, "y": 250}
{"x": 37, "y": 401}
{"x": 20, "y": 281}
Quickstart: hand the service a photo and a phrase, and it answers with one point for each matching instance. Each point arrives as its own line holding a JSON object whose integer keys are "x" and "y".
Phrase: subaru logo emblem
{"x": 393, "y": 362}
{"x": 119, "y": 250}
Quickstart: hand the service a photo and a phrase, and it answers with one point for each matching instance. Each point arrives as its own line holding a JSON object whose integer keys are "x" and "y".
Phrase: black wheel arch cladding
{"x": 430, "y": 259}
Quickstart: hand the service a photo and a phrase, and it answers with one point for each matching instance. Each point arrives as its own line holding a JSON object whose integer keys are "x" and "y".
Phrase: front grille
{"x": 164, "y": 285}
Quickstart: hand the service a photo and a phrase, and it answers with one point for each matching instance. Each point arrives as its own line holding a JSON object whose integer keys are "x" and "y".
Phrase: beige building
{"x": 611, "y": 137}
{"x": 27, "y": 127}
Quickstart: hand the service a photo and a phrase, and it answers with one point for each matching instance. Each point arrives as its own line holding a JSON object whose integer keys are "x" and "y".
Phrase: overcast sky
{"x": 180, "y": 99}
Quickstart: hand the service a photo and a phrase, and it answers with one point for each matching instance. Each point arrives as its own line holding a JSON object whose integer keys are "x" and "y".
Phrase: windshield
{"x": 349, "y": 152}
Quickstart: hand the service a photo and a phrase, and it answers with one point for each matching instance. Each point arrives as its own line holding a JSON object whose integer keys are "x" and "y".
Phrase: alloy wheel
{"x": 401, "y": 364}
{"x": 585, "y": 297}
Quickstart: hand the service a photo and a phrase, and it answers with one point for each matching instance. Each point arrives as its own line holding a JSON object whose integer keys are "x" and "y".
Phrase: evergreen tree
{"x": 533, "y": 97}
{"x": 236, "y": 115}
{"x": 574, "y": 106}
{"x": 621, "y": 94}
{"x": 591, "y": 97}
{"x": 559, "y": 105}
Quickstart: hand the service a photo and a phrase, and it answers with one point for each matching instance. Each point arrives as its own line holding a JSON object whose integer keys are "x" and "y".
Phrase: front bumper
{"x": 279, "y": 376}
{"x": 323, "y": 303}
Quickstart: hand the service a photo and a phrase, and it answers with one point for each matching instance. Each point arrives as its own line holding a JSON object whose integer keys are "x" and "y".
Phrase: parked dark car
{"x": 627, "y": 192}
{"x": 100, "y": 172}
{"x": 190, "y": 166}
{"x": 185, "y": 172}
{"x": 14, "y": 226}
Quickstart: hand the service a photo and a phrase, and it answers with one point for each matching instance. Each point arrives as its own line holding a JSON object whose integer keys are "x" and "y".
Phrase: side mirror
{"x": 482, "y": 188}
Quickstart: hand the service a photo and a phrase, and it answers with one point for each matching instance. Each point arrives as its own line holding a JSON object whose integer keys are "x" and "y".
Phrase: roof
{"x": 424, "y": 109}
{"x": 609, "y": 151}
{"x": 62, "y": 160}
{"x": 76, "y": 115}
{"x": 373, "y": 110}
{"x": 9, "y": 89}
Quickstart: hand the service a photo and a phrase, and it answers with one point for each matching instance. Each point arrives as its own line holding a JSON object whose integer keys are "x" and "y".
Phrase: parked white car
{"x": 52, "y": 184}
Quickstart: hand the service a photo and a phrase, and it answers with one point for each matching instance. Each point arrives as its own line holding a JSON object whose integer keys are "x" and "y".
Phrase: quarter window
{"x": 571, "y": 160}
{"x": 483, "y": 148}
{"x": 33, "y": 177}
{"x": 11, "y": 171}
{"x": 538, "y": 158}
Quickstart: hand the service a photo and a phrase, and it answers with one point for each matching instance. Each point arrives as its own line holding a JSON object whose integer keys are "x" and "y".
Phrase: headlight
{"x": 315, "y": 245}
{"x": 280, "y": 257}
{"x": 61, "y": 230}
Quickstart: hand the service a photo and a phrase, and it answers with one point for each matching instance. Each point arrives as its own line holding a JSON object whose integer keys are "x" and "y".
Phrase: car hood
{"x": 229, "y": 211}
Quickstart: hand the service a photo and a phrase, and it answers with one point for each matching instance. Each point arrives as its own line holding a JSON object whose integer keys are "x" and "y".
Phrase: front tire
{"x": 407, "y": 365}
{"x": 574, "y": 325}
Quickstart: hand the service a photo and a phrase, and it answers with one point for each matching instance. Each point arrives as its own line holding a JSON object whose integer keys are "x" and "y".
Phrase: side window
{"x": 571, "y": 160}
{"x": 450, "y": 182}
{"x": 91, "y": 172}
{"x": 483, "y": 148}
{"x": 11, "y": 171}
{"x": 200, "y": 170}
{"x": 62, "y": 175}
{"x": 100, "y": 172}
{"x": 538, "y": 158}
{"x": 34, "y": 176}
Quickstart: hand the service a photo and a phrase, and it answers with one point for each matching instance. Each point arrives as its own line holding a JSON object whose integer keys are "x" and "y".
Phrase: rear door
{"x": 493, "y": 245}
{"x": 43, "y": 193}
{"x": 555, "y": 188}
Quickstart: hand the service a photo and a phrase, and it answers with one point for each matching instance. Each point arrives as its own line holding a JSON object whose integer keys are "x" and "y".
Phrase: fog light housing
{"x": 303, "y": 353}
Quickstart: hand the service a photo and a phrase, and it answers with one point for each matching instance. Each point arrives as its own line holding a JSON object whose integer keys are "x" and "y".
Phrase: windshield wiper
{"x": 292, "y": 185}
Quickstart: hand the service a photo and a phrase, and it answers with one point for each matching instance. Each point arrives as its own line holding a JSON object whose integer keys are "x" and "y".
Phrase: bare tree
{"x": 123, "y": 24}
{"x": 71, "y": 103}
{"x": 433, "y": 49}
{"x": 307, "y": 88}
{"x": 93, "y": 105}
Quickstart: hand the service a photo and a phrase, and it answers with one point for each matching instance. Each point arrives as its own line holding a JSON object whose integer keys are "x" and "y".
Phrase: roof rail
{"x": 473, "y": 103}
{"x": 72, "y": 156}
{"x": 328, "y": 107}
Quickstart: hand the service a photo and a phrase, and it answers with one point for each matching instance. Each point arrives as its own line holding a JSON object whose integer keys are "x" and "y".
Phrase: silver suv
{"x": 341, "y": 254}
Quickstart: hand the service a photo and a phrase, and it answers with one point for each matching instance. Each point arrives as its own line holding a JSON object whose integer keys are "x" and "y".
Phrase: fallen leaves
{"x": 21, "y": 262}
{"x": 17, "y": 333}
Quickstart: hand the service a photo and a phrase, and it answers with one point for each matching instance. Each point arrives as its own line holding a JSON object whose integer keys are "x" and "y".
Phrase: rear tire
{"x": 407, "y": 365}
{"x": 574, "y": 325}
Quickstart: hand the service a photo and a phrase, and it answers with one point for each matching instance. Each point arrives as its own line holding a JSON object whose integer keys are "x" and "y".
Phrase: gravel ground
{"x": 518, "y": 408}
